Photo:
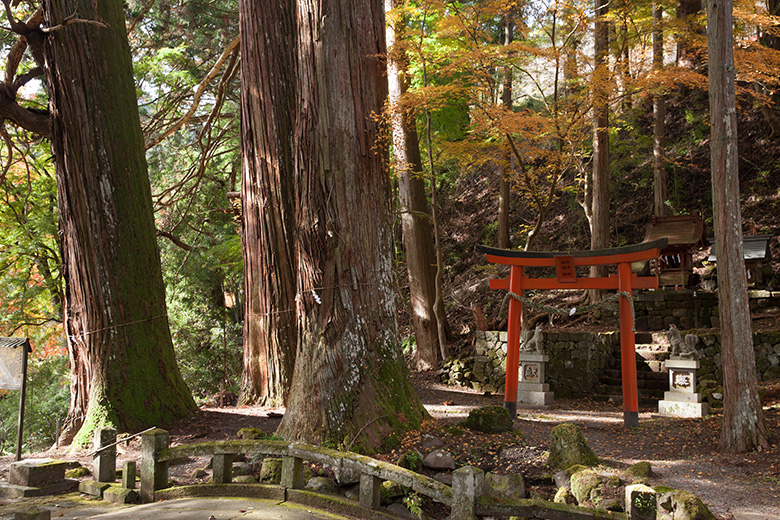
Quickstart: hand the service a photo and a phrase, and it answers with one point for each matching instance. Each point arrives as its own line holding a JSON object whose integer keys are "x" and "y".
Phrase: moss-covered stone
{"x": 503, "y": 487}
{"x": 79, "y": 472}
{"x": 583, "y": 482}
{"x": 562, "y": 496}
{"x": 568, "y": 447}
{"x": 271, "y": 471}
{"x": 641, "y": 470}
{"x": 251, "y": 434}
{"x": 688, "y": 506}
{"x": 390, "y": 491}
{"x": 411, "y": 460}
{"x": 489, "y": 419}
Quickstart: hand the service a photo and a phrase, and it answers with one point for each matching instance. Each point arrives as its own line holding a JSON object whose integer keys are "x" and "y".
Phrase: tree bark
{"x": 268, "y": 33}
{"x": 123, "y": 369}
{"x": 599, "y": 238}
{"x": 743, "y": 419}
{"x": 350, "y": 383}
{"x": 660, "y": 194}
{"x": 504, "y": 191}
{"x": 688, "y": 55}
{"x": 415, "y": 214}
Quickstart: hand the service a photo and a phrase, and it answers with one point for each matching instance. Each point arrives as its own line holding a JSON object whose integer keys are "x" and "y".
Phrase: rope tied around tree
{"x": 573, "y": 310}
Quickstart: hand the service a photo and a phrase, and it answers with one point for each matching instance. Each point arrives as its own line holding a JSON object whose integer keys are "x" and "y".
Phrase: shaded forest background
{"x": 185, "y": 59}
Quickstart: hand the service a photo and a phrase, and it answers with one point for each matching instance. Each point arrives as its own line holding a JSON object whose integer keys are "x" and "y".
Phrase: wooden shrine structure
{"x": 565, "y": 264}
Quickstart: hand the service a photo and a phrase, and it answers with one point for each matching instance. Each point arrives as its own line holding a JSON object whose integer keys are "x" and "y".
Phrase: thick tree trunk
{"x": 268, "y": 32}
{"x": 122, "y": 362}
{"x": 350, "y": 380}
{"x": 743, "y": 419}
{"x": 599, "y": 238}
{"x": 415, "y": 214}
{"x": 504, "y": 191}
{"x": 659, "y": 121}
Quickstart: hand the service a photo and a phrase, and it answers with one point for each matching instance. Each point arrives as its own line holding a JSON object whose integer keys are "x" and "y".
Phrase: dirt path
{"x": 683, "y": 452}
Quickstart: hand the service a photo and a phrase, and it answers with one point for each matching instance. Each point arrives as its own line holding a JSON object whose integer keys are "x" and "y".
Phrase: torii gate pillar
{"x": 566, "y": 278}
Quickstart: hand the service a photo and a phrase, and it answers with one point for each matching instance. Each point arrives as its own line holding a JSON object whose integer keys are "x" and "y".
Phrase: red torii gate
{"x": 566, "y": 278}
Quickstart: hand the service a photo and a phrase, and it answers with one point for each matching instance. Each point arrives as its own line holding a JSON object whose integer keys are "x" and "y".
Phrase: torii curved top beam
{"x": 632, "y": 253}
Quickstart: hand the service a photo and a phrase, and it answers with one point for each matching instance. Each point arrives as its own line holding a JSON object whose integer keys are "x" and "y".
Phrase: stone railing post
{"x": 104, "y": 462}
{"x": 154, "y": 474}
{"x": 467, "y": 483}
{"x": 222, "y": 472}
{"x": 292, "y": 472}
{"x": 641, "y": 502}
{"x": 128, "y": 474}
{"x": 370, "y": 491}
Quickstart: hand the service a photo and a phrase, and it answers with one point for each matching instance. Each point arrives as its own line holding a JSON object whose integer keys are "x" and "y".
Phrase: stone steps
{"x": 652, "y": 349}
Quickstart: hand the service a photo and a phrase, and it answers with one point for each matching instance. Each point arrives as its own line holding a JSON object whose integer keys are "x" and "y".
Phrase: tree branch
{"x": 173, "y": 238}
{"x": 33, "y": 120}
{"x": 198, "y": 94}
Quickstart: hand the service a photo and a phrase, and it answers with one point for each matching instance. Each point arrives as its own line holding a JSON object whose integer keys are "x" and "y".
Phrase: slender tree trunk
{"x": 123, "y": 370}
{"x": 350, "y": 380}
{"x": 688, "y": 55}
{"x": 415, "y": 214}
{"x": 601, "y": 196}
{"x": 504, "y": 191}
{"x": 743, "y": 418}
{"x": 268, "y": 33}
{"x": 660, "y": 194}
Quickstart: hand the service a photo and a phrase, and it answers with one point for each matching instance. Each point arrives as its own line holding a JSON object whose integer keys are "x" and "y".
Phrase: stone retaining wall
{"x": 577, "y": 361}
{"x": 687, "y": 309}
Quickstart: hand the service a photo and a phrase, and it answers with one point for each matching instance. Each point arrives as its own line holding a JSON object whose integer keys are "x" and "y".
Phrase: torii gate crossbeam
{"x": 565, "y": 264}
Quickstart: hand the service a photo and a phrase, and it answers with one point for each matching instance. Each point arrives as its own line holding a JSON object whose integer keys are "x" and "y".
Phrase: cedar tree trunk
{"x": 743, "y": 418}
{"x": 659, "y": 121}
{"x": 504, "y": 191}
{"x": 415, "y": 214}
{"x": 268, "y": 206}
{"x": 350, "y": 379}
{"x": 599, "y": 238}
{"x": 123, "y": 369}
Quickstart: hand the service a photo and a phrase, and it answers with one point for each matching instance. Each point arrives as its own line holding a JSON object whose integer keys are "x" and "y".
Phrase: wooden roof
{"x": 679, "y": 230}
{"x": 756, "y": 248}
{"x": 15, "y": 342}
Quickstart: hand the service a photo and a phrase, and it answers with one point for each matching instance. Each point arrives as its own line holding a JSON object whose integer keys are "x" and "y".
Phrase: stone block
{"x": 104, "y": 462}
{"x": 29, "y": 514}
{"x": 682, "y": 409}
{"x": 535, "y": 398}
{"x": 640, "y": 502}
{"x": 128, "y": 474}
{"x": 120, "y": 495}
{"x": 37, "y": 472}
{"x": 682, "y": 397}
{"x": 93, "y": 487}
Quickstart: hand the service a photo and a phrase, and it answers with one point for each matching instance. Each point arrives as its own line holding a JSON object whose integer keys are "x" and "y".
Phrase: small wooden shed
{"x": 756, "y": 254}
{"x": 686, "y": 235}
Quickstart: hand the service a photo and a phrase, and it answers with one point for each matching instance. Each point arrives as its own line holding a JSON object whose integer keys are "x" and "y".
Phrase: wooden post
{"x": 627, "y": 349}
{"x": 514, "y": 327}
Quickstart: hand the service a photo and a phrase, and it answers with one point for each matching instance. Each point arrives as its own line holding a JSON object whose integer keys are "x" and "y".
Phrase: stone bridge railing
{"x": 465, "y": 497}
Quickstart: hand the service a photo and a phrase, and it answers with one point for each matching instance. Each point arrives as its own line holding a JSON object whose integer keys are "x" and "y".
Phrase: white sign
{"x": 11, "y": 370}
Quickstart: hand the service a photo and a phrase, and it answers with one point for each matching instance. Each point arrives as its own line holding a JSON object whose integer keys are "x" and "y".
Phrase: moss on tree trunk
{"x": 124, "y": 373}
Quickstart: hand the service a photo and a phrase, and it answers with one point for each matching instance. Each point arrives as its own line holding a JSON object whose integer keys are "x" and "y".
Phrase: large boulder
{"x": 489, "y": 419}
{"x": 583, "y": 482}
{"x": 568, "y": 447}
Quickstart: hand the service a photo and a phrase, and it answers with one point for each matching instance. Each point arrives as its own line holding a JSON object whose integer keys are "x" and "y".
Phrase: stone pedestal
{"x": 682, "y": 400}
{"x": 37, "y": 477}
{"x": 531, "y": 388}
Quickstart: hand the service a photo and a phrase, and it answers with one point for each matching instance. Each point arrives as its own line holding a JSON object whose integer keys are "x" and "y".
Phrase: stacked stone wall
{"x": 577, "y": 361}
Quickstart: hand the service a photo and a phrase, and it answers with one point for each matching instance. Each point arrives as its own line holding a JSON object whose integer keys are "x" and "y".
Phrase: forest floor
{"x": 683, "y": 452}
